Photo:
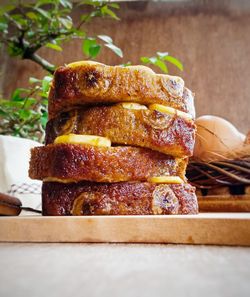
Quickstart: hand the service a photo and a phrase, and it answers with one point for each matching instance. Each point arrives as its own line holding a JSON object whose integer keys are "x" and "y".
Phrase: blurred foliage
{"x": 25, "y": 113}
{"x": 27, "y": 27}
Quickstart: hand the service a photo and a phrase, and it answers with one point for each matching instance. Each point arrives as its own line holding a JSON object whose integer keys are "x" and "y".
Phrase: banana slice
{"x": 165, "y": 180}
{"x": 82, "y": 63}
{"x": 84, "y": 139}
{"x": 132, "y": 105}
{"x": 170, "y": 110}
{"x": 58, "y": 180}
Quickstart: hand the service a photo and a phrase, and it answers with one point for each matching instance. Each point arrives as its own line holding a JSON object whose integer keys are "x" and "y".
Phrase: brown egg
{"x": 215, "y": 138}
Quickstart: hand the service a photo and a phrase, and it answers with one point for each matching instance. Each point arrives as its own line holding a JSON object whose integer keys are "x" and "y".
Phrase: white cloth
{"x": 14, "y": 165}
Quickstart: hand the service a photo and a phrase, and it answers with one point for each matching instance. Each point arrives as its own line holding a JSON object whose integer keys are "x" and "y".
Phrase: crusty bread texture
{"x": 74, "y": 163}
{"x": 90, "y": 82}
{"x": 152, "y": 129}
{"x": 117, "y": 199}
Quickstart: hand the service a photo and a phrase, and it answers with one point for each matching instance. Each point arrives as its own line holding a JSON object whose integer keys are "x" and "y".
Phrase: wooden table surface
{"x": 123, "y": 270}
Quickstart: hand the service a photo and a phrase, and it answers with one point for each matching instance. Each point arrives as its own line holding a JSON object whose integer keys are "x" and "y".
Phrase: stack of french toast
{"x": 117, "y": 143}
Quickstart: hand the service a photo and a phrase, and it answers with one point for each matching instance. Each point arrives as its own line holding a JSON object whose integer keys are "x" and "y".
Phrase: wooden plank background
{"x": 211, "y": 38}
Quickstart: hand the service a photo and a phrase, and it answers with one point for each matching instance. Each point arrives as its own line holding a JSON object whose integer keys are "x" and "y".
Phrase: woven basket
{"x": 207, "y": 175}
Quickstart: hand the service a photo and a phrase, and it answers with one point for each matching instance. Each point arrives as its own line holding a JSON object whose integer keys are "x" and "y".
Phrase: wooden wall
{"x": 211, "y": 38}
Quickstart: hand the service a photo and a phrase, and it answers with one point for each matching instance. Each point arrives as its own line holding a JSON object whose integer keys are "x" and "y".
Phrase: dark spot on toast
{"x": 91, "y": 78}
{"x": 65, "y": 83}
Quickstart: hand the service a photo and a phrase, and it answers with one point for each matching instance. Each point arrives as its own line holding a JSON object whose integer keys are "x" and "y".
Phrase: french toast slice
{"x": 75, "y": 162}
{"x": 89, "y": 82}
{"x": 169, "y": 134}
{"x": 134, "y": 198}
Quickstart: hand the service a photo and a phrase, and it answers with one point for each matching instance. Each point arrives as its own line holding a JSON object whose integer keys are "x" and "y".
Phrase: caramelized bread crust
{"x": 117, "y": 199}
{"x": 168, "y": 134}
{"x": 74, "y": 163}
{"x": 94, "y": 83}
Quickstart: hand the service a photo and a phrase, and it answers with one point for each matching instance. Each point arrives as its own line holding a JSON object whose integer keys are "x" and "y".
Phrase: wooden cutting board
{"x": 205, "y": 228}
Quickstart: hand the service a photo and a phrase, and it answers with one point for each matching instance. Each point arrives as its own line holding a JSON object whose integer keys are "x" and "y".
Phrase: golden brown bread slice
{"x": 117, "y": 199}
{"x": 73, "y": 163}
{"x": 90, "y": 82}
{"x": 168, "y": 134}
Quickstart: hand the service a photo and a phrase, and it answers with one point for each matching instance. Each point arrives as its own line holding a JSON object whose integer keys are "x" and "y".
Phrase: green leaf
{"x": 3, "y": 27}
{"x": 66, "y": 3}
{"x": 87, "y": 44}
{"x": 19, "y": 19}
{"x": 153, "y": 60}
{"x": 14, "y": 50}
{"x": 90, "y": 47}
{"x": 53, "y": 46}
{"x": 105, "y": 38}
{"x": 67, "y": 22}
{"x": 106, "y": 11}
{"x": 6, "y": 8}
{"x": 30, "y": 34}
{"x": 44, "y": 119}
{"x": 44, "y": 2}
{"x": 3, "y": 113}
{"x": 43, "y": 12}
{"x": 79, "y": 33}
{"x": 24, "y": 114}
{"x": 161, "y": 65}
{"x": 33, "y": 80}
{"x": 87, "y": 17}
{"x": 44, "y": 102}
{"x": 17, "y": 94}
{"x": 94, "y": 50}
{"x": 174, "y": 61}
{"x": 145, "y": 60}
{"x": 115, "y": 49}
{"x": 162, "y": 55}
{"x": 31, "y": 15}
{"x": 114, "y": 5}
{"x": 46, "y": 83}
{"x": 12, "y": 104}
{"x": 29, "y": 102}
